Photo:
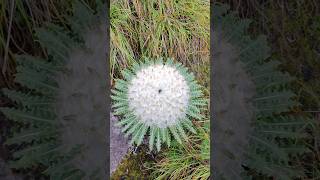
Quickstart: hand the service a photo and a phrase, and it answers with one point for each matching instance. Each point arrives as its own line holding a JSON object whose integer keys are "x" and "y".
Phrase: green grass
{"x": 190, "y": 161}
{"x": 177, "y": 29}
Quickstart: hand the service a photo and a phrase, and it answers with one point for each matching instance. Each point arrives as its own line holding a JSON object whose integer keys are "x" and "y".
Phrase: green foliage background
{"x": 292, "y": 28}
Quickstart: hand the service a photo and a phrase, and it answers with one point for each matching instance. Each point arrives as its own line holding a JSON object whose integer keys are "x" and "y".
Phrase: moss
{"x": 132, "y": 165}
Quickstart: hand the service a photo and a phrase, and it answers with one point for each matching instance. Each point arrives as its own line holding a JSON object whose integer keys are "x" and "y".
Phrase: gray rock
{"x": 119, "y": 145}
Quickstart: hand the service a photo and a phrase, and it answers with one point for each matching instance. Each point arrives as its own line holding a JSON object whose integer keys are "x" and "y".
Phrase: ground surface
{"x": 119, "y": 145}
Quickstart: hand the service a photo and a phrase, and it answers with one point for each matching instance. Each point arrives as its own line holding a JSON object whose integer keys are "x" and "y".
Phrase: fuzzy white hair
{"x": 159, "y": 95}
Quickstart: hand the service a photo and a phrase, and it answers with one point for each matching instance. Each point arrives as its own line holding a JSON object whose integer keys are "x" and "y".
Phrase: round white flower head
{"x": 159, "y": 95}
{"x": 159, "y": 98}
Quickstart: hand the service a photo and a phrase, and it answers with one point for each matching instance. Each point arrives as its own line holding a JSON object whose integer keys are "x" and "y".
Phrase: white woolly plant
{"x": 159, "y": 97}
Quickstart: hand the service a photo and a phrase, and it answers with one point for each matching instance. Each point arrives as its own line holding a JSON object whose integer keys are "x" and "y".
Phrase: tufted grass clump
{"x": 190, "y": 161}
{"x": 177, "y": 29}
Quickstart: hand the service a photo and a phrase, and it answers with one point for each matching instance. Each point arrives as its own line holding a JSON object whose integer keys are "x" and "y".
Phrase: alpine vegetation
{"x": 188, "y": 161}
{"x": 60, "y": 109}
{"x": 159, "y": 97}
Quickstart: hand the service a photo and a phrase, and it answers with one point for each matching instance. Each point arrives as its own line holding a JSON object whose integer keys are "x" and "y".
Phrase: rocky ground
{"x": 119, "y": 145}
